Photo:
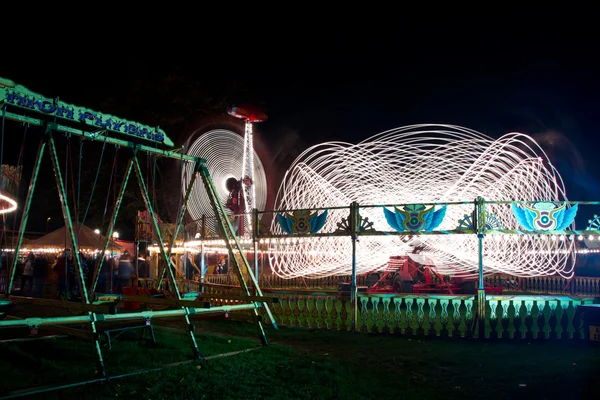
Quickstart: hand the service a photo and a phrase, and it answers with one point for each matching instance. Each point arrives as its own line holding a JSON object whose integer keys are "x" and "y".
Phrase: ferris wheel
{"x": 238, "y": 174}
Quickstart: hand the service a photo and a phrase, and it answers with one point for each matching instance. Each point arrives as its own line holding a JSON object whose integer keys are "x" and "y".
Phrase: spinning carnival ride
{"x": 420, "y": 165}
{"x": 235, "y": 168}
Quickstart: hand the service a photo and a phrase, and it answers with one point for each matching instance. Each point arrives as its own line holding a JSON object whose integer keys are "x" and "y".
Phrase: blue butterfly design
{"x": 414, "y": 218}
{"x": 544, "y": 216}
{"x": 302, "y": 221}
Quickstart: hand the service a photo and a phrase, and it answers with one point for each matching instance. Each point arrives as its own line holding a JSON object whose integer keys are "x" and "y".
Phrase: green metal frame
{"x": 230, "y": 236}
{"x": 180, "y": 215}
{"x": 18, "y": 96}
{"x": 92, "y": 310}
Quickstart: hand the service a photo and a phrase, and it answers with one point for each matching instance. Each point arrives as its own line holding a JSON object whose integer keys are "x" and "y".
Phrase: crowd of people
{"x": 38, "y": 269}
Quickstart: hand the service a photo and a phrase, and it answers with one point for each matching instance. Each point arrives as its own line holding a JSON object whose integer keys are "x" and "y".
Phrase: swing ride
{"x": 57, "y": 118}
{"x": 325, "y": 207}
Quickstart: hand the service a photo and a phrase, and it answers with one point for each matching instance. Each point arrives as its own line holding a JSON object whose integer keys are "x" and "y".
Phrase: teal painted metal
{"x": 166, "y": 259}
{"x": 169, "y": 266}
{"x": 111, "y": 225}
{"x": 227, "y": 229}
{"x": 354, "y": 227}
{"x": 20, "y": 97}
{"x": 144, "y": 315}
{"x": 255, "y": 226}
{"x": 101, "y": 136}
{"x": 480, "y": 223}
{"x": 98, "y": 136}
{"x": 62, "y": 194}
{"x": 180, "y": 215}
{"x": 25, "y": 215}
{"x": 100, "y": 366}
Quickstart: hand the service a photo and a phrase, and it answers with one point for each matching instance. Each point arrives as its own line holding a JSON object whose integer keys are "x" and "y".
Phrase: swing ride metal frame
{"x": 95, "y": 314}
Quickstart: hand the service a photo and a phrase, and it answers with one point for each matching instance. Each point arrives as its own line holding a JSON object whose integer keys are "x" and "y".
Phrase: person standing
{"x": 224, "y": 265}
{"x": 40, "y": 270}
{"x": 190, "y": 267}
{"x": 27, "y": 275}
{"x": 125, "y": 272}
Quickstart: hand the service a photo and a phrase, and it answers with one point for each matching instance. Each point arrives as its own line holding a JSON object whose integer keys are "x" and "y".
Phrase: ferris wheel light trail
{"x": 224, "y": 153}
{"x": 11, "y": 204}
{"x": 415, "y": 165}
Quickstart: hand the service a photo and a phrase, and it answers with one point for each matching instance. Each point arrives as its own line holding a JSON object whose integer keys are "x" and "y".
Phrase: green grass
{"x": 309, "y": 364}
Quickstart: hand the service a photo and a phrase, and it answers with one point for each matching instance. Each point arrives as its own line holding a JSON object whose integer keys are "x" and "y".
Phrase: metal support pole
{"x": 481, "y": 221}
{"x": 180, "y": 216}
{"x": 62, "y": 194}
{"x": 146, "y": 197}
{"x": 353, "y": 289}
{"x": 25, "y": 215}
{"x": 137, "y": 262}
{"x": 225, "y": 225}
{"x": 111, "y": 227}
{"x": 202, "y": 266}
{"x": 255, "y": 226}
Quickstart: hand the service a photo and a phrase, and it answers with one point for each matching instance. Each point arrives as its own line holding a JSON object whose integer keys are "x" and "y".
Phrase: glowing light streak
{"x": 224, "y": 154}
{"x": 421, "y": 164}
{"x": 247, "y": 172}
{"x": 12, "y": 205}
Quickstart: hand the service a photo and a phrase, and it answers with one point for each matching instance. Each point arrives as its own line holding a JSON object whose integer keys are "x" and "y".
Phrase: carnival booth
{"x": 90, "y": 244}
{"x": 89, "y": 241}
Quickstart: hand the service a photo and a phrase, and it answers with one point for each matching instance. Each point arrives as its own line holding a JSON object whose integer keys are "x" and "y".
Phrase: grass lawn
{"x": 306, "y": 364}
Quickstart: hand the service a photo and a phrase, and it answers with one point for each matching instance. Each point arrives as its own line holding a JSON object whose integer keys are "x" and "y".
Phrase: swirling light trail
{"x": 224, "y": 154}
{"x": 422, "y": 164}
{"x": 8, "y": 204}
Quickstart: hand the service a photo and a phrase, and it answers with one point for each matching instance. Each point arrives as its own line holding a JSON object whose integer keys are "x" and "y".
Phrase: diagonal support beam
{"x": 180, "y": 215}
{"x": 165, "y": 257}
{"x": 148, "y": 204}
{"x": 226, "y": 227}
{"x": 62, "y": 194}
{"x": 223, "y": 220}
{"x": 25, "y": 215}
{"x": 111, "y": 226}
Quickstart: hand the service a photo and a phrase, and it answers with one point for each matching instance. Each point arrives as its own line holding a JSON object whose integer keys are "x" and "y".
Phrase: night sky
{"x": 319, "y": 86}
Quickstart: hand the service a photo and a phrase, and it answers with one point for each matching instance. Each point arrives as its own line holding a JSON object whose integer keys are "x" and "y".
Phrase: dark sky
{"x": 349, "y": 84}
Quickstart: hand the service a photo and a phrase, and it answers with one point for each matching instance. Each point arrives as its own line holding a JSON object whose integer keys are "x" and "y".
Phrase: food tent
{"x": 87, "y": 239}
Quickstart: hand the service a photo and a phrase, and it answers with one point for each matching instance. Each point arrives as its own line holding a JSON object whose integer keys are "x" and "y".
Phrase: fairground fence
{"x": 506, "y": 317}
{"x": 576, "y": 286}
